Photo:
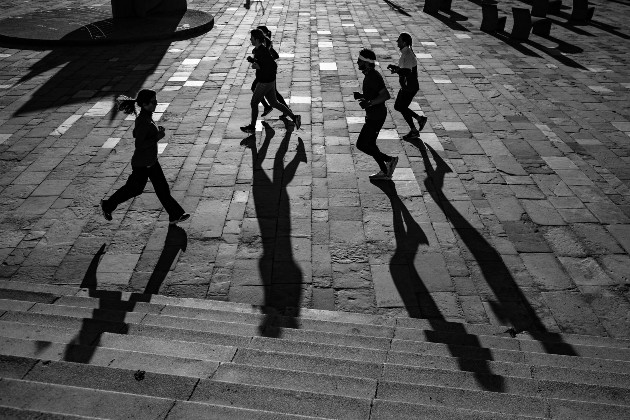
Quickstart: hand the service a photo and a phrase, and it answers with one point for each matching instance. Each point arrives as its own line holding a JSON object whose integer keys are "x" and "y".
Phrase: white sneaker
{"x": 380, "y": 176}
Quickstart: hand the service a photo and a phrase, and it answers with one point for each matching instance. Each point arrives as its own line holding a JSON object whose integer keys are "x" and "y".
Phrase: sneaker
{"x": 181, "y": 218}
{"x": 266, "y": 111}
{"x": 413, "y": 134}
{"x": 298, "y": 121}
{"x": 391, "y": 166}
{"x": 106, "y": 214}
{"x": 422, "y": 122}
{"x": 380, "y": 176}
{"x": 248, "y": 128}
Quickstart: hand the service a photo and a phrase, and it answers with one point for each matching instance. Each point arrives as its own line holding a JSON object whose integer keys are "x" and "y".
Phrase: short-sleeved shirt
{"x": 373, "y": 83}
{"x": 408, "y": 81}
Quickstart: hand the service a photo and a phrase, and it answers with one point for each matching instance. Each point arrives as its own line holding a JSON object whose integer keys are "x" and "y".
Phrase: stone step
{"x": 19, "y": 414}
{"x": 396, "y": 410}
{"x": 153, "y": 303}
{"x": 507, "y": 384}
{"x": 404, "y": 334}
{"x": 402, "y": 348}
{"x": 52, "y": 398}
{"x": 498, "y": 402}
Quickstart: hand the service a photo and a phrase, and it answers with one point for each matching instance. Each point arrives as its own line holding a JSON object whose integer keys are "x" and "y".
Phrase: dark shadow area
{"x": 518, "y": 46}
{"x": 511, "y": 306}
{"x": 112, "y": 309}
{"x": 419, "y": 302}
{"x": 282, "y": 278}
{"x": 91, "y": 73}
{"x": 451, "y": 20}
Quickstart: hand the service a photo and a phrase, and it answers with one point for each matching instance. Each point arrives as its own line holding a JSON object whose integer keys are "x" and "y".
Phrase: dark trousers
{"x": 403, "y": 100}
{"x": 264, "y": 102}
{"x": 367, "y": 142}
{"x": 135, "y": 185}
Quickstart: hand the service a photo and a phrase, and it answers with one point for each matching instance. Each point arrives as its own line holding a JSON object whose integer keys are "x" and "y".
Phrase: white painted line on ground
{"x": 4, "y": 137}
{"x": 111, "y": 143}
{"x": 454, "y": 126}
{"x": 388, "y": 134}
{"x": 462, "y": 36}
{"x": 600, "y": 89}
{"x": 429, "y": 44}
{"x": 324, "y": 44}
{"x": 323, "y": 32}
{"x": 286, "y": 55}
{"x": 65, "y": 126}
{"x": 466, "y": 66}
{"x": 195, "y": 83}
{"x": 441, "y": 80}
{"x": 423, "y": 56}
{"x": 328, "y": 66}
{"x": 161, "y": 147}
{"x": 100, "y": 109}
{"x": 300, "y": 100}
{"x": 355, "y": 120}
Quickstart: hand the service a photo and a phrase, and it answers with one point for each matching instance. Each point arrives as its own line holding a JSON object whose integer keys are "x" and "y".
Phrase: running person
{"x": 373, "y": 101}
{"x": 144, "y": 162}
{"x": 274, "y": 54}
{"x": 266, "y": 69}
{"x": 407, "y": 70}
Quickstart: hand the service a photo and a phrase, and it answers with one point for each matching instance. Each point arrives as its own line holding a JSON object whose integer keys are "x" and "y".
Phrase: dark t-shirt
{"x": 146, "y": 133}
{"x": 373, "y": 83}
{"x": 268, "y": 67}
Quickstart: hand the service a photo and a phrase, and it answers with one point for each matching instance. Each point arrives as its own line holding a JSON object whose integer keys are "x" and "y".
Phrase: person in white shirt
{"x": 407, "y": 70}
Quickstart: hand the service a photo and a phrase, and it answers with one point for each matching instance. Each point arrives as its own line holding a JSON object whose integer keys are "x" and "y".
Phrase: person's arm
{"x": 383, "y": 95}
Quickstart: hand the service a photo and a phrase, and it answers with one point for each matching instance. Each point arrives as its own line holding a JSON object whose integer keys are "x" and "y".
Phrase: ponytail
{"x": 128, "y": 105}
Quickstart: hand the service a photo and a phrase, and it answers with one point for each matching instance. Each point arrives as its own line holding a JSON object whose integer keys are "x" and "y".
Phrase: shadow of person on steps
{"x": 419, "y": 302}
{"x": 281, "y": 277}
{"x": 112, "y": 309}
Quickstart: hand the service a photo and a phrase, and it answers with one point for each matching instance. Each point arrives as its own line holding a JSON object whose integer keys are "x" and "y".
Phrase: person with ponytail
{"x": 274, "y": 54}
{"x": 144, "y": 162}
{"x": 407, "y": 70}
{"x": 266, "y": 69}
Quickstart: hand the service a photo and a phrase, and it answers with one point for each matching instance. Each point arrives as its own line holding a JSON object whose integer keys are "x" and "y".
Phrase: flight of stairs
{"x": 70, "y": 353}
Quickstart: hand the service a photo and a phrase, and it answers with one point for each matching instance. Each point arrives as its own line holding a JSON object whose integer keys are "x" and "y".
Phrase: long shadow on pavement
{"x": 409, "y": 236}
{"x": 281, "y": 277}
{"x": 112, "y": 309}
{"x": 511, "y": 305}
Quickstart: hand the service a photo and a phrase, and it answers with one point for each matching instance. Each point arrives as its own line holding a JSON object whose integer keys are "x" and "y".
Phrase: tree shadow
{"x": 418, "y": 301}
{"x": 112, "y": 309}
{"x": 511, "y": 305}
{"x": 282, "y": 278}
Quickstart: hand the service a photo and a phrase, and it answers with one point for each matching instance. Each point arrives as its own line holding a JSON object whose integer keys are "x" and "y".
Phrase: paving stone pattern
{"x": 514, "y": 209}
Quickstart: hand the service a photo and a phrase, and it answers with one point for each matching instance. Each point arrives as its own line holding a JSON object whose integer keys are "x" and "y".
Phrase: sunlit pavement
{"x": 513, "y": 208}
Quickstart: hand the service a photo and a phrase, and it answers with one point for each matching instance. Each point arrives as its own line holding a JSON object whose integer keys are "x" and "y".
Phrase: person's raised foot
{"x": 413, "y": 134}
{"x": 267, "y": 111}
{"x": 175, "y": 220}
{"x": 248, "y": 128}
{"x": 106, "y": 214}
{"x": 422, "y": 121}
{"x": 391, "y": 166}
{"x": 297, "y": 120}
{"x": 380, "y": 176}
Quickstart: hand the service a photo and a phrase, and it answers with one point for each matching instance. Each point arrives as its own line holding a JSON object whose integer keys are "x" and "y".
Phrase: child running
{"x": 266, "y": 69}
{"x": 407, "y": 70}
{"x": 144, "y": 162}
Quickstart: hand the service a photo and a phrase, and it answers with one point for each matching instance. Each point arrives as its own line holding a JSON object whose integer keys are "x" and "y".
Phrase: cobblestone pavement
{"x": 515, "y": 212}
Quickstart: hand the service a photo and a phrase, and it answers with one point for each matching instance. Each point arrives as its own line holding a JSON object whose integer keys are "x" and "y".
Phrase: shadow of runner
{"x": 112, "y": 309}
{"x": 494, "y": 271}
{"x": 409, "y": 236}
{"x": 281, "y": 277}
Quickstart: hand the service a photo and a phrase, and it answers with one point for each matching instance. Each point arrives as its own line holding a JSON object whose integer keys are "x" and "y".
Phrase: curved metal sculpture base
{"x": 95, "y": 25}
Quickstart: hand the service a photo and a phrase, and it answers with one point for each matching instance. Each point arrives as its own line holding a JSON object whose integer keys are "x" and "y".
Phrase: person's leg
{"x": 403, "y": 100}
{"x": 257, "y": 96}
{"x": 133, "y": 187}
{"x": 160, "y": 185}
{"x": 273, "y": 101}
{"x": 367, "y": 143}
{"x": 281, "y": 99}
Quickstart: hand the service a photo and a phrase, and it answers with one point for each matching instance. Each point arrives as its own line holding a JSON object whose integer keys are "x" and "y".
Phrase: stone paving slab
{"x": 513, "y": 207}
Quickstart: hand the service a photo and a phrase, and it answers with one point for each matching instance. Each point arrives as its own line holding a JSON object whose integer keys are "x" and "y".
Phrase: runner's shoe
{"x": 106, "y": 214}
{"x": 181, "y": 218}
{"x": 379, "y": 176}
{"x": 248, "y": 128}
{"x": 391, "y": 166}
{"x": 413, "y": 134}
{"x": 422, "y": 122}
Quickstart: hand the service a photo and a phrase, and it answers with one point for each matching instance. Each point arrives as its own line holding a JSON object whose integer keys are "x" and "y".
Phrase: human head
{"x": 143, "y": 98}
{"x": 404, "y": 40}
{"x": 265, "y": 30}
{"x": 366, "y": 60}
{"x": 257, "y": 37}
